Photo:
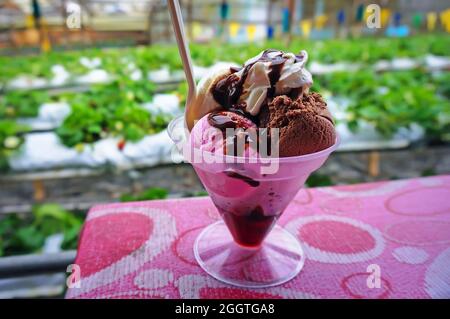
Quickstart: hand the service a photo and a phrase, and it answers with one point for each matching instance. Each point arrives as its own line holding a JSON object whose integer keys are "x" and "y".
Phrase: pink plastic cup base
{"x": 279, "y": 259}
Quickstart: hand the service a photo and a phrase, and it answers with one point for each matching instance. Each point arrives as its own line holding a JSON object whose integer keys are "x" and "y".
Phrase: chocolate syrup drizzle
{"x": 228, "y": 90}
{"x": 222, "y": 121}
{"x": 251, "y": 182}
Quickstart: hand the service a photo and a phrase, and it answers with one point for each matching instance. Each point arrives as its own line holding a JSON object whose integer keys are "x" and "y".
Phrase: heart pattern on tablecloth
{"x": 414, "y": 202}
{"x": 103, "y": 249}
{"x": 336, "y": 239}
{"x": 159, "y": 239}
{"x": 200, "y": 286}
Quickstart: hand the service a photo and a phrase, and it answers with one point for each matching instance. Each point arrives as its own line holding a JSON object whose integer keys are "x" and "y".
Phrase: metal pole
{"x": 291, "y": 7}
{"x": 28, "y": 265}
{"x": 190, "y": 21}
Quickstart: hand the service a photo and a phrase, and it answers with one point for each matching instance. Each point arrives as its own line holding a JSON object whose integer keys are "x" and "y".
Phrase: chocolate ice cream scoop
{"x": 305, "y": 124}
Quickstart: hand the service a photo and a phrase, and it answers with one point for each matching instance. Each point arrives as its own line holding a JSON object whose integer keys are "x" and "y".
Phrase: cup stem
{"x": 278, "y": 259}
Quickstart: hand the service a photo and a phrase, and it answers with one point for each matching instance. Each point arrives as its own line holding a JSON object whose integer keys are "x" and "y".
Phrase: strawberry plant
{"x": 115, "y": 61}
{"x": 25, "y": 234}
{"x": 22, "y": 103}
{"x": 443, "y": 84}
{"x": 392, "y": 100}
{"x": 149, "y": 194}
{"x": 11, "y": 138}
{"x": 111, "y": 110}
{"x": 85, "y": 124}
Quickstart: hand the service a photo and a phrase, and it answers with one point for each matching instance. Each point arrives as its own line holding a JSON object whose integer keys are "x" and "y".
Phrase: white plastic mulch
{"x": 430, "y": 62}
{"x": 319, "y": 69}
{"x": 50, "y": 116}
{"x": 97, "y": 75}
{"x": 44, "y": 150}
{"x": 367, "y": 137}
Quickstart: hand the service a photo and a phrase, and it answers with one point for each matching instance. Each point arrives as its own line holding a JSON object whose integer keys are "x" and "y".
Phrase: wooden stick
{"x": 39, "y": 190}
{"x": 291, "y": 7}
{"x": 178, "y": 26}
{"x": 374, "y": 163}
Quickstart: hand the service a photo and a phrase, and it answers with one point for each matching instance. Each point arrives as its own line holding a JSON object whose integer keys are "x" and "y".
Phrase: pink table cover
{"x": 401, "y": 228}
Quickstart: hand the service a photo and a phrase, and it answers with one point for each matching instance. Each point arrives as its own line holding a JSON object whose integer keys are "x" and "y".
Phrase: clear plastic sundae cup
{"x": 247, "y": 248}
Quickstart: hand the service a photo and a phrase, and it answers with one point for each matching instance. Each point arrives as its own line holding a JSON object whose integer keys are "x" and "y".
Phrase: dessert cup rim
{"x": 176, "y": 122}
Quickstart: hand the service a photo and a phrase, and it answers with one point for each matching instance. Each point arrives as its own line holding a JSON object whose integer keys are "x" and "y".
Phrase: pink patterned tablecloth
{"x": 144, "y": 250}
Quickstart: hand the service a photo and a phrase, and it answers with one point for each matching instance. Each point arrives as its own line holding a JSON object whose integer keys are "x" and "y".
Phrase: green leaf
{"x": 30, "y": 238}
{"x": 149, "y": 194}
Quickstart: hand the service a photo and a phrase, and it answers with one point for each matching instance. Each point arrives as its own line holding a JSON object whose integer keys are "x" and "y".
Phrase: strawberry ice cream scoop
{"x": 225, "y": 133}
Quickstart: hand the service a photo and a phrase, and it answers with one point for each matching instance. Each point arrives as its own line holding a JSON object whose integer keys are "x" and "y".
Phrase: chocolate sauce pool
{"x": 249, "y": 230}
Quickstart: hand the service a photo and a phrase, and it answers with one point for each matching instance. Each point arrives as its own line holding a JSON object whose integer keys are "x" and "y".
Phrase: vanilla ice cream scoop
{"x": 269, "y": 74}
{"x": 203, "y": 102}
